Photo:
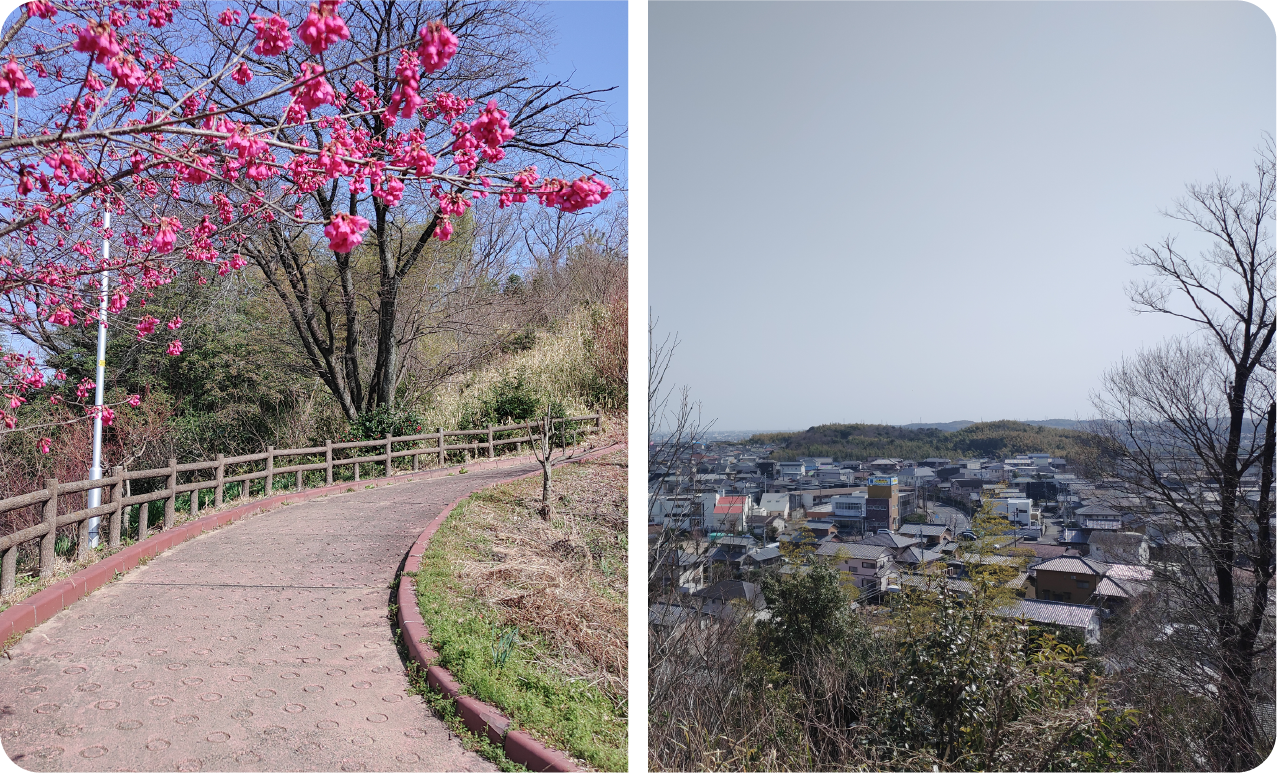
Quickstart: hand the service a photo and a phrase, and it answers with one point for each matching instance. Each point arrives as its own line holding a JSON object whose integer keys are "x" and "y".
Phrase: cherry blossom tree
{"x": 201, "y": 128}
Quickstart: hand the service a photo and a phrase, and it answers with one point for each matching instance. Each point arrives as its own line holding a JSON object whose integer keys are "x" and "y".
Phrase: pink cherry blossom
{"x": 438, "y": 46}
{"x": 228, "y": 17}
{"x": 174, "y": 323}
{"x": 98, "y": 39}
{"x": 491, "y": 127}
{"x": 443, "y": 229}
{"x": 323, "y": 27}
{"x": 119, "y": 300}
{"x": 573, "y": 196}
{"x": 405, "y": 100}
{"x": 45, "y": 444}
{"x": 41, "y": 9}
{"x": 82, "y": 390}
{"x": 13, "y": 78}
{"x": 174, "y": 348}
{"x": 315, "y": 91}
{"x": 345, "y": 232}
{"x": 134, "y": 400}
{"x": 127, "y": 73}
{"x": 62, "y": 316}
{"x": 451, "y": 107}
{"x": 391, "y": 193}
{"x": 166, "y": 236}
{"x": 146, "y": 326}
{"x": 273, "y": 37}
{"x": 242, "y": 74}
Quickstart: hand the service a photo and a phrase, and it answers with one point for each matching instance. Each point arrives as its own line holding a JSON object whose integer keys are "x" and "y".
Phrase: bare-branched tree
{"x": 1187, "y": 427}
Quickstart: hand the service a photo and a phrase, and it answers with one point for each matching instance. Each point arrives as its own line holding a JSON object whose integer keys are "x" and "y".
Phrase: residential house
{"x": 931, "y": 533}
{"x": 865, "y": 563}
{"x": 1067, "y": 578}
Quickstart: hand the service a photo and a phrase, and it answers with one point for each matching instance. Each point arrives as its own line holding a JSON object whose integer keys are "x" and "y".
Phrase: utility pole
{"x": 95, "y": 472}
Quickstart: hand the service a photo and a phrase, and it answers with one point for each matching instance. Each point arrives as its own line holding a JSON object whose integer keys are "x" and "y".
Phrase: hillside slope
{"x": 864, "y": 442}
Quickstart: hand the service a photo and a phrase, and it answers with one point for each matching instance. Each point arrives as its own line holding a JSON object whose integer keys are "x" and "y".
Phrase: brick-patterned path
{"x": 264, "y": 645}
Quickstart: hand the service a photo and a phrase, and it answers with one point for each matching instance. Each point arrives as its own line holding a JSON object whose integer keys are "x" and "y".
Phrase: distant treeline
{"x": 864, "y": 442}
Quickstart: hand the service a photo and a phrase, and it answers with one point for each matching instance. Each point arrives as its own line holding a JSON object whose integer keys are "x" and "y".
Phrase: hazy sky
{"x": 894, "y": 212}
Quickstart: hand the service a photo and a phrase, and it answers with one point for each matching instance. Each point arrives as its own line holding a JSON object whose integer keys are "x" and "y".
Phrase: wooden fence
{"x": 117, "y": 495}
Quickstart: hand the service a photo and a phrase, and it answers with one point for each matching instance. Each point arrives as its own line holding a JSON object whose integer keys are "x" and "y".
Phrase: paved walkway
{"x": 264, "y": 645}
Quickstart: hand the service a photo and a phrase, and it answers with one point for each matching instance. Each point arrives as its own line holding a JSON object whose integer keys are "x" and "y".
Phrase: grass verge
{"x": 530, "y": 615}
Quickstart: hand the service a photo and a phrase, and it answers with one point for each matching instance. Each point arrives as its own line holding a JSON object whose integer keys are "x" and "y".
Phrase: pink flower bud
{"x": 438, "y": 46}
{"x": 345, "y": 232}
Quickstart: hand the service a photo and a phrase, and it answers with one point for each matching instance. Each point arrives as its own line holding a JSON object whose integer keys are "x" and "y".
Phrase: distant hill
{"x": 953, "y": 426}
{"x": 864, "y": 442}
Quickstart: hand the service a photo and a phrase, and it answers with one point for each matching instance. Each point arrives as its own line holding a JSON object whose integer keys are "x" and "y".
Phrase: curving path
{"x": 261, "y": 646}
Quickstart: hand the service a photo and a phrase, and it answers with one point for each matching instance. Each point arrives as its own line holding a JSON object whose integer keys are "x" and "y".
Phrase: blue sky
{"x": 922, "y": 211}
{"x": 592, "y": 46}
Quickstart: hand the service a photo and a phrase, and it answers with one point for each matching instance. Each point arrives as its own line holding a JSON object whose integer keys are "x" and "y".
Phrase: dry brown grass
{"x": 564, "y": 580}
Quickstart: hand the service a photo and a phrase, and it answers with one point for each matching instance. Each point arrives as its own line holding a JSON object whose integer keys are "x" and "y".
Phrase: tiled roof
{"x": 890, "y": 540}
{"x": 1073, "y": 565}
{"x": 924, "y": 529}
{"x": 1129, "y": 572}
{"x": 851, "y": 550}
{"x": 1055, "y": 612}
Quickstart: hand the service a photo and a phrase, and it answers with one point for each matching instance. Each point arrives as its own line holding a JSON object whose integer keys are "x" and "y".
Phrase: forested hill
{"x": 864, "y": 442}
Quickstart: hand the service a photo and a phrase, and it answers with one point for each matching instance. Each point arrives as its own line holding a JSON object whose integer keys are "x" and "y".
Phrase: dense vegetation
{"x": 242, "y": 382}
{"x": 864, "y": 442}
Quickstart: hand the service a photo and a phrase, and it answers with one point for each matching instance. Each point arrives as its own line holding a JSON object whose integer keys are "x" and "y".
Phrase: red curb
{"x": 479, "y": 717}
{"x": 27, "y": 614}
{"x": 441, "y": 680}
{"x": 16, "y": 620}
{"x": 525, "y": 750}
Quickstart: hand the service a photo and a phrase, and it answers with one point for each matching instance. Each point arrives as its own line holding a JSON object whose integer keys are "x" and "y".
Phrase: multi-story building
{"x": 882, "y": 505}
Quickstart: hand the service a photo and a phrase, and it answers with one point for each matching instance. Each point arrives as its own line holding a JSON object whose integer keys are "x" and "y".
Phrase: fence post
{"x": 300, "y": 480}
{"x": 270, "y": 471}
{"x": 143, "y": 516}
{"x": 491, "y": 452}
{"x": 416, "y": 458}
{"x": 441, "y": 446}
{"x": 195, "y": 500}
{"x": 389, "y": 467}
{"x": 328, "y": 462}
{"x": 117, "y": 493}
{"x": 51, "y": 524}
{"x": 9, "y": 571}
{"x": 170, "y": 504}
{"x": 221, "y": 477}
{"x": 82, "y": 540}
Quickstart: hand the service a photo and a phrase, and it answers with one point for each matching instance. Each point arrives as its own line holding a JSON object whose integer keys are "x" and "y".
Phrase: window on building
{"x": 867, "y": 565}
{"x": 1084, "y": 583}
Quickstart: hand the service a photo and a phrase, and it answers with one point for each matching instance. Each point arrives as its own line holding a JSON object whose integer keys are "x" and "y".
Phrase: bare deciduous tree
{"x": 1188, "y": 428}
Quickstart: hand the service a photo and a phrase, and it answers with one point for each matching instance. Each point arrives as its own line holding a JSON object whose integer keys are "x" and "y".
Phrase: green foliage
{"x": 570, "y": 712}
{"x": 510, "y": 400}
{"x": 375, "y": 424}
{"x": 521, "y": 341}
{"x": 870, "y": 441}
{"x": 809, "y": 611}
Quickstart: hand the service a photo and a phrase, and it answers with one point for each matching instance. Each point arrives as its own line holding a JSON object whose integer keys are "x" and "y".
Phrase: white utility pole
{"x": 95, "y": 472}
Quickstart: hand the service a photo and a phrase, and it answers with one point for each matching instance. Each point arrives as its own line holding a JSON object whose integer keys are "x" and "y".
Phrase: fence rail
{"x": 117, "y": 494}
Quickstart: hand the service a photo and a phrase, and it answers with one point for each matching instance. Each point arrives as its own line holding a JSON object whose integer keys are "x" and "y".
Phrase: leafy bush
{"x": 374, "y": 424}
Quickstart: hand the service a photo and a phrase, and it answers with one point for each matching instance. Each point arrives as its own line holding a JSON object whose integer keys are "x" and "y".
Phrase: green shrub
{"x": 374, "y": 424}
